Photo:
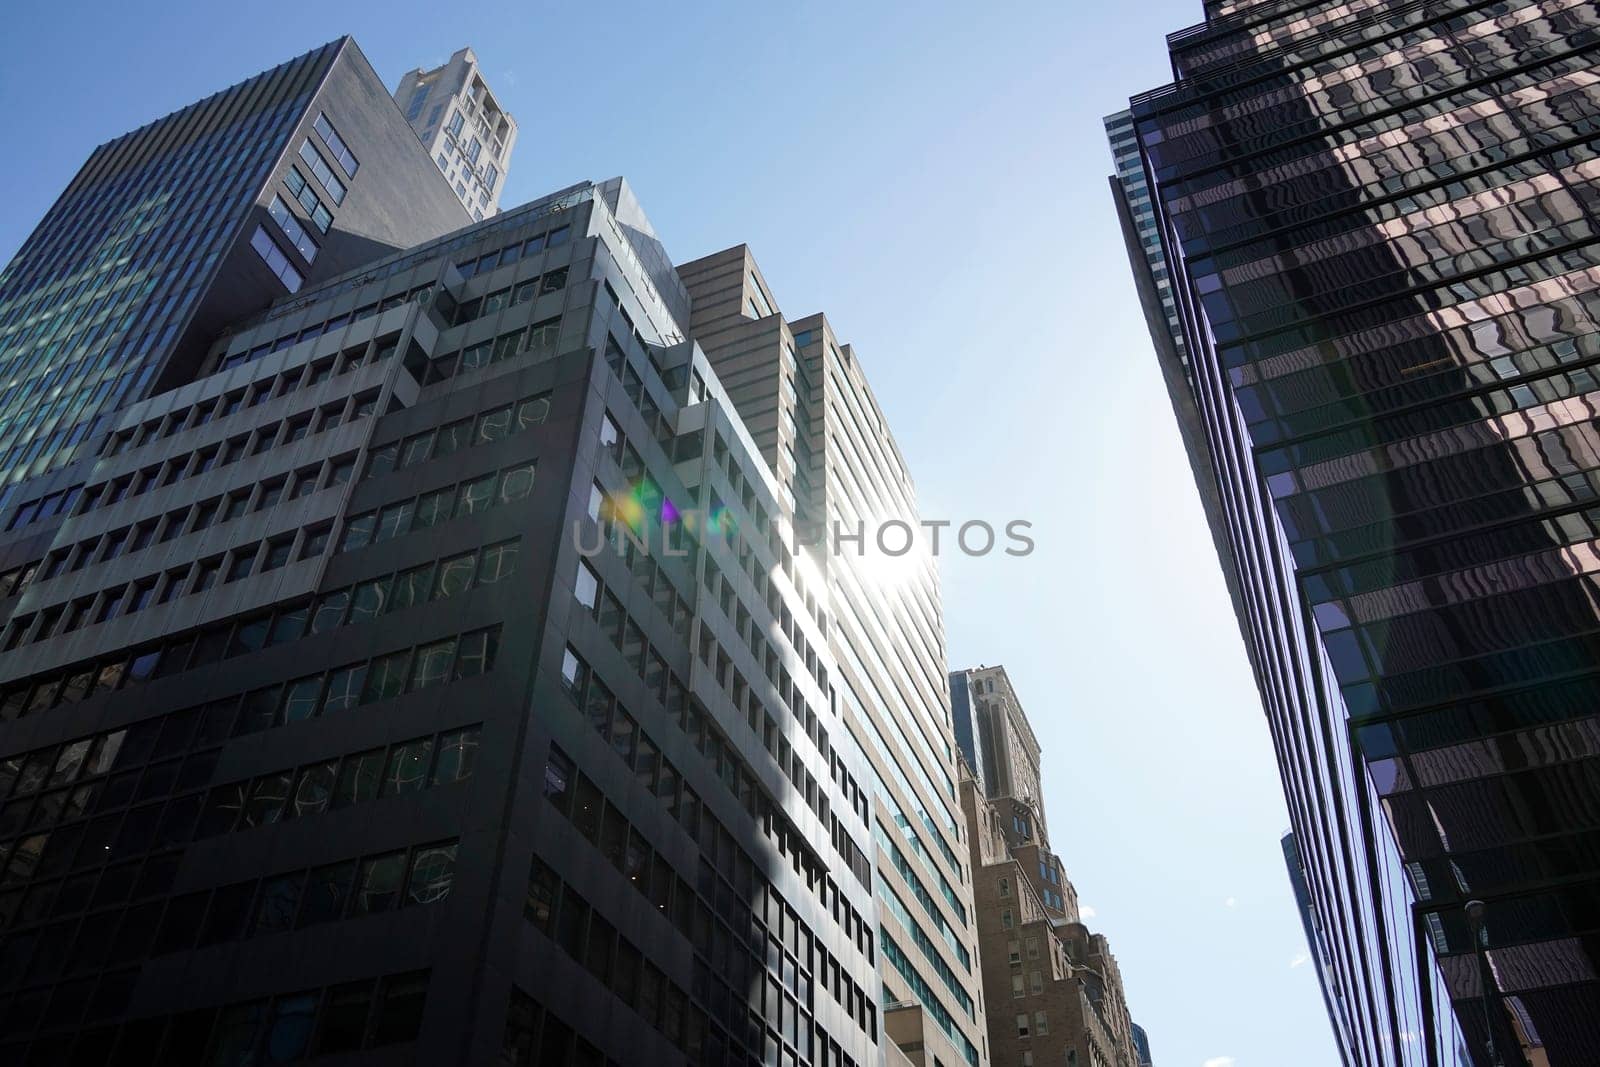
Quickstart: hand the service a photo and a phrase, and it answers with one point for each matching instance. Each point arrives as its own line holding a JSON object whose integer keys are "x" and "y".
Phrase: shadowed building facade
{"x": 423, "y": 674}
{"x": 1380, "y": 225}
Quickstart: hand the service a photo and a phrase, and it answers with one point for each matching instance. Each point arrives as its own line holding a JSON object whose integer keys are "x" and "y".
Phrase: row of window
{"x": 595, "y": 702}
{"x": 501, "y": 257}
{"x": 279, "y": 1029}
{"x": 292, "y": 229}
{"x": 336, "y": 146}
{"x": 646, "y": 501}
{"x": 371, "y": 885}
{"x": 952, "y": 981}
{"x": 112, "y": 836}
{"x": 322, "y": 172}
{"x": 57, "y": 503}
{"x": 552, "y": 281}
{"x": 427, "y": 510}
{"x": 925, "y": 898}
{"x": 276, "y": 259}
{"x": 307, "y": 198}
{"x": 337, "y": 783}
{"x": 227, "y": 639}
{"x": 537, "y": 1037}
{"x": 408, "y": 766}
{"x": 190, "y": 578}
{"x": 589, "y": 939}
{"x": 581, "y": 801}
{"x": 496, "y": 424}
{"x": 926, "y": 995}
{"x": 192, "y": 518}
{"x": 539, "y": 339}
{"x": 330, "y": 325}
{"x": 300, "y": 377}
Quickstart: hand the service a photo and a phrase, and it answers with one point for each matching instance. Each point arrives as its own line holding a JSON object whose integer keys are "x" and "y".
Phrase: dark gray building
{"x": 421, "y": 674}
{"x": 1378, "y": 221}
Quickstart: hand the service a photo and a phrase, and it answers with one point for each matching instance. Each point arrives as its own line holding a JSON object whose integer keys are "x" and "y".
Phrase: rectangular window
{"x": 336, "y": 145}
{"x": 276, "y": 259}
{"x": 292, "y": 229}
{"x": 322, "y": 172}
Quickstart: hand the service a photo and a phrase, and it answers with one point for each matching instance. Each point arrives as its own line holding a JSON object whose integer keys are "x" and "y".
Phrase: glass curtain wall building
{"x": 1380, "y": 223}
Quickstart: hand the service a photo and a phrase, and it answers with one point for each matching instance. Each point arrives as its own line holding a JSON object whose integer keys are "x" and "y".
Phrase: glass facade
{"x": 96, "y": 299}
{"x": 1380, "y": 220}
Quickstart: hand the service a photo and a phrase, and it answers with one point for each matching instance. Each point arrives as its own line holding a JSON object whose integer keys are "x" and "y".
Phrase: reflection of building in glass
{"x": 1053, "y": 988}
{"x": 1378, "y": 222}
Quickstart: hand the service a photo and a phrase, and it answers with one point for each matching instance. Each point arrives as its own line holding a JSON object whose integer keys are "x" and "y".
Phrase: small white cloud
{"x": 1230, "y": 902}
{"x": 1300, "y": 960}
{"x": 1219, "y": 1061}
{"x": 1086, "y": 912}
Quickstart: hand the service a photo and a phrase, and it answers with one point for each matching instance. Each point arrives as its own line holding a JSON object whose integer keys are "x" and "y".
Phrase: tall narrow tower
{"x": 461, "y": 123}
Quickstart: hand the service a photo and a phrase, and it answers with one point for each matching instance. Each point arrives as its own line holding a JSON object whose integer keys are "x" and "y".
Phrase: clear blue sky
{"x": 933, "y": 177}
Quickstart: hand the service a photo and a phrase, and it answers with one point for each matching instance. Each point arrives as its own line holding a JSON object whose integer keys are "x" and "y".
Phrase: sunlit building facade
{"x": 1379, "y": 221}
{"x": 805, "y": 398}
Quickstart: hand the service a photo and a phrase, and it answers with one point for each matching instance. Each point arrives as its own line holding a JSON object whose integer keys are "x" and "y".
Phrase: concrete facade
{"x": 462, "y": 125}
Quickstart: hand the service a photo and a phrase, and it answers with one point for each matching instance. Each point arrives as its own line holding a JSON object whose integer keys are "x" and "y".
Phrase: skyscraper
{"x": 1379, "y": 224}
{"x": 422, "y": 673}
{"x": 465, "y": 130}
{"x": 1053, "y": 988}
{"x": 171, "y": 231}
{"x": 811, "y": 414}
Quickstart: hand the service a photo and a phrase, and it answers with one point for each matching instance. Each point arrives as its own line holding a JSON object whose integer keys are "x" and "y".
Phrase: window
{"x": 407, "y": 770}
{"x": 588, "y": 586}
{"x": 301, "y": 190}
{"x": 387, "y": 677}
{"x": 1004, "y": 888}
{"x": 411, "y": 587}
{"x": 1006, "y": 919}
{"x": 292, "y": 229}
{"x": 458, "y": 751}
{"x": 476, "y": 653}
{"x": 497, "y": 562}
{"x": 322, "y": 172}
{"x": 1016, "y": 986}
{"x": 432, "y": 871}
{"x": 1022, "y": 1024}
{"x": 336, "y": 145}
{"x": 276, "y": 259}
{"x": 1036, "y": 986}
{"x": 432, "y": 666}
{"x": 516, "y": 483}
{"x": 243, "y": 562}
{"x": 476, "y": 495}
{"x": 1041, "y": 1023}
{"x": 378, "y": 883}
{"x": 455, "y": 576}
